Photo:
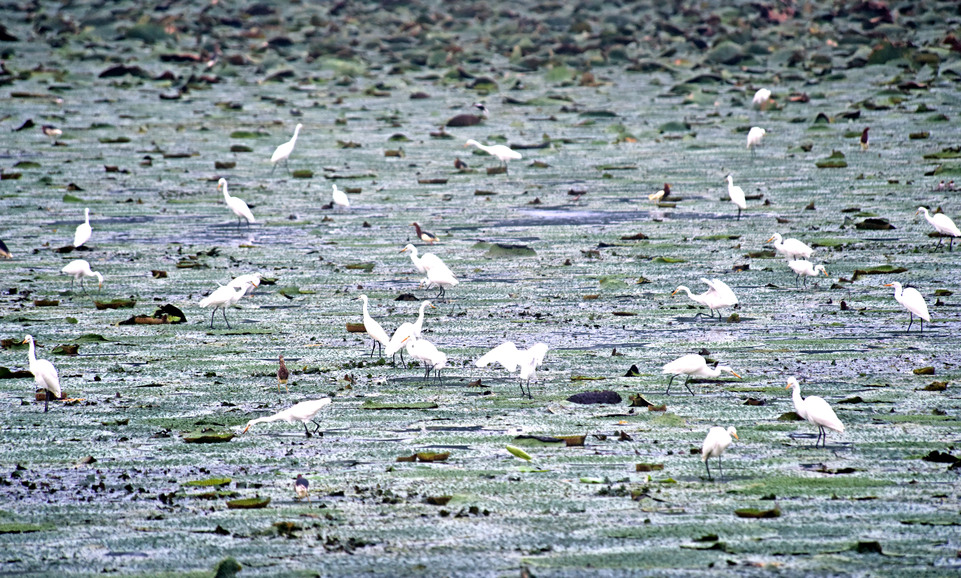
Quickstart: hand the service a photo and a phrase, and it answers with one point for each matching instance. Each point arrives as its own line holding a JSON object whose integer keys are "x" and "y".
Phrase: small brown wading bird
{"x": 282, "y": 375}
{"x": 424, "y": 235}
{"x": 302, "y": 488}
{"x": 864, "y": 139}
{"x": 660, "y": 195}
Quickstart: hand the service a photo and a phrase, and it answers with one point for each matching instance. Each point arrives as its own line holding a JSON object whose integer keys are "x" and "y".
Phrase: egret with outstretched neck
{"x": 44, "y": 373}
{"x": 737, "y": 195}
{"x": 83, "y": 232}
{"x": 282, "y": 153}
{"x": 235, "y": 204}
{"x": 407, "y": 329}
{"x": 911, "y": 299}
{"x": 693, "y": 365}
{"x": 78, "y": 269}
{"x": 303, "y": 412}
{"x": 815, "y": 410}
{"x": 221, "y": 298}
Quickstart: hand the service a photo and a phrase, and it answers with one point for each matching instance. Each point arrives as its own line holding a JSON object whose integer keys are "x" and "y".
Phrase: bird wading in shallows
{"x": 511, "y": 358}
{"x": 237, "y": 205}
{"x": 78, "y": 269}
{"x": 282, "y": 374}
{"x": 374, "y": 330}
{"x": 340, "y": 198}
{"x": 761, "y": 98}
{"x": 791, "y": 248}
{"x": 503, "y": 153}
{"x": 282, "y": 152}
{"x": 737, "y": 195}
{"x": 754, "y": 137}
{"x": 302, "y": 488}
{"x": 693, "y": 365}
{"x": 714, "y": 445}
{"x": 406, "y": 330}
{"x": 943, "y": 225}
{"x": 83, "y": 232}
{"x": 815, "y": 410}
{"x": 303, "y": 412}
{"x": 427, "y": 353}
{"x": 718, "y": 296}
{"x": 911, "y": 299}
{"x": 44, "y": 373}
{"x": 223, "y": 297}
{"x": 805, "y": 268}
{"x": 423, "y": 235}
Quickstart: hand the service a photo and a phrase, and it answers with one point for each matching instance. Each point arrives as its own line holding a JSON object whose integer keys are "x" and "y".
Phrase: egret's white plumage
{"x": 911, "y": 299}
{"x": 223, "y": 297}
{"x": 427, "y": 353}
{"x": 44, "y": 373}
{"x": 503, "y": 153}
{"x": 282, "y": 152}
{"x": 303, "y": 412}
{"x": 718, "y": 296}
{"x": 815, "y": 410}
{"x": 442, "y": 278}
{"x": 791, "y": 248}
{"x": 407, "y": 329}
{"x": 83, "y": 232}
{"x": 943, "y": 225}
{"x": 248, "y": 282}
{"x": 80, "y": 268}
{"x": 340, "y": 198}
{"x": 426, "y": 261}
{"x": 374, "y": 330}
{"x": 693, "y": 365}
{"x": 237, "y": 205}
{"x": 805, "y": 268}
{"x": 511, "y": 358}
{"x": 737, "y": 195}
{"x": 754, "y": 137}
{"x": 761, "y": 98}
{"x": 716, "y": 442}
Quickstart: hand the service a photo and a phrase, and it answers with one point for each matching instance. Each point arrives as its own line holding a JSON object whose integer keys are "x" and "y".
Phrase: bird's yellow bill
{"x": 245, "y": 429}
{"x": 404, "y": 250}
{"x": 735, "y": 375}
{"x": 24, "y": 341}
{"x": 886, "y": 285}
{"x": 788, "y": 385}
{"x": 735, "y": 436}
{"x": 825, "y": 272}
{"x": 674, "y": 293}
{"x": 769, "y": 240}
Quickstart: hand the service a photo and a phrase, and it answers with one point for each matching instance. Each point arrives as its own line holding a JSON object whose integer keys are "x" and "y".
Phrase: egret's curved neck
{"x": 898, "y": 292}
{"x": 365, "y": 308}
{"x": 226, "y": 195}
{"x": 686, "y": 290}
{"x": 32, "y": 355}
{"x": 296, "y": 132}
{"x": 796, "y": 395}
{"x": 86, "y": 216}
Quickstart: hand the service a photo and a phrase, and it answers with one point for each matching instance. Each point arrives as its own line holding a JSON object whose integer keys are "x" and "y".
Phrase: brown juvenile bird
{"x": 864, "y": 139}
{"x": 282, "y": 375}
{"x": 660, "y": 195}
{"x": 424, "y": 235}
{"x": 302, "y": 487}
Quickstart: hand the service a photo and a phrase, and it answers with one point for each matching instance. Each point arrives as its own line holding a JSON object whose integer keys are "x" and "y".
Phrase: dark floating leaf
{"x": 504, "y": 250}
{"x": 790, "y": 416}
{"x": 208, "y": 436}
{"x": 115, "y": 304}
{"x": 535, "y": 441}
{"x": 648, "y": 468}
{"x": 355, "y": 328}
{"x": 874, "y": 224}
{"x": 46, "y": 302}
{"x": 248, "y": 503}
{"x": 941, "y": 458}
{"x": 756, "y": 513}
{"x": 870, "y": 547}
{"x": 639, "y": 400}
{"x": 66, "y": 349}
{"x": 596, "y": 397}
{"x": 936, "y": 386}
{"x": 438, "y": 500}
{"x": 924, "y": 371}
{"x": 633, "y": 372}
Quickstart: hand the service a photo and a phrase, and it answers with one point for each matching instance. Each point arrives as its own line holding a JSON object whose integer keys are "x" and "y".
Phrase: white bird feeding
{"x": 427, "y": 353}
{"x": 791, "y": 248}
{"x": 737, "y": 195}
{"x": 943, "y": 225}
{"x": 511, "y": 358}
{"x": 223, "y": 297}
{"x": 374, "y": 330}
{"x": 718, "y": 296}
{"x": 716, "y": 442}
{"x": 340, "y": 198}
{"x": 78, "y": 269}
{"x": 440, "y": 277}
{"x": 754, "y": 137}
{"x": 282, "y": 153}
{"x": 424, "y": 262}
{"x": 83, "y": 232}
{"x": 44, "y": 373}
{"x": 303, "y": 412}
{"x": 805, "y": 268}
{"x": 407, "y": 329}
{"x": 693, "y": 365}
{"x": 911, "y": 299}
{"x": 761, "y": 98}
{"x": 815, "y": 410}
{"x": 248, "y": 282}
{"x": 235, "y": 204}
{"x": 503, "y": 153}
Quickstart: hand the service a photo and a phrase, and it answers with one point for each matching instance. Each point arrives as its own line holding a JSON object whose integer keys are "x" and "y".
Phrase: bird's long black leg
{"x": 212, "y": 313}
{"x": 46, "y": 399}
{"x": 708, "y": 469}
{"x": 521, "y": 383}
{"x": 739, "y": 213}
{"x": 669, "y": 382}
{"x": 938, "y": 246}
{"x": 720, "y": 470}
{"x": 950, "y": 244}
{"x": 287, "y": 165}
{"x": 316, "y": 426}
{"x": 81, "y": 285}
{"x": 921, "y": 321}
{"x": 373, "y": 345}
{"x": 224, "y": 311}
{"x": 688, "y": 386}
{"x": 272, "y": 169}
{"x": 402, "y": 362}
{"x": 306, "y": 431}
{"x": 912, "y": 320}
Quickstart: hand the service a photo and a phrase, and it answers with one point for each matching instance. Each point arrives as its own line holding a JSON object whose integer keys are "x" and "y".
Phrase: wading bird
{"x": 303, "y": 412}
{"x": 340, "y": 198}
{"x": 235, "y": 204}
{"x": 442, "y": 278}
{"x": 221, "y": 298}
{"x": 693, "y": 365}
{"x": 943, "y": 225}
{"x": 528, "y": 360}
{"x": 427, "y": 353}
{"x": 754, "y": 137}
{"x": 815, "y": 410}
{"x": 714, "y": 445}
{"x": 83, "y": 232}
{"x": 503, "y": 153}
{"x": 44, "y": 373}
{"x": 407, "y": 329}
{"x": 911, "y": 299}
{"x": 661, "y": 194}
{"x": 78, "y": 269}
{"x": 249, "y": 282}
{"x": 282, "y": 153}
{"x": 374, "y": 330}
{"x": 718, "y": 296}
{"x": 424, "y": 262}
{"x": 864, "y": 138}
{"x": 423, "y": 235}
{"x": 302, "y": 488}
{"x": 761, "y": 98}
{"x": 737, "y": 195}
{"x": 791, "y": 248}
{"x": 805, "y": 268}
{"x": 282, "y": 374}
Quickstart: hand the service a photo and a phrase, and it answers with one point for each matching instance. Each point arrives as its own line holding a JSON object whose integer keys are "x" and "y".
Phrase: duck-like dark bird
{"x": 470, "y": 119}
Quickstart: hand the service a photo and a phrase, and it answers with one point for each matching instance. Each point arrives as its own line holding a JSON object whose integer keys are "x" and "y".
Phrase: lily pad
{"x": 248, "y": 503}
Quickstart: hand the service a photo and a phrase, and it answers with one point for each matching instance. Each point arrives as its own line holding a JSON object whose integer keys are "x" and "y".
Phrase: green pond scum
{"x": 135, "y": 110}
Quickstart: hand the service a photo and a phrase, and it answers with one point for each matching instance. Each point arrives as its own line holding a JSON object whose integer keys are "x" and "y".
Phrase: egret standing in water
{"x": 761, "y": 98}
{"x": 714, "y": 445}
{"x": 340, "y": 198}
{"x": 791, "y": 248}
{"x": 78, "y": 269}
{"x": 44, "y": 373}
{"x": 754, "y": 137}
{"x": 528, "y": 360}
{"x": 737, "y": 195}
{"x": 693, "y": 365}
{"x": 303, "y": 412}
{"x": 282, "y": 153}
{"x": 221, "y": 298}
{"x": 407, "y": 329}
{"x": 911, "y": 299}
{"x": 82, "y": 235}
{"x": 374, "y": 330}
{"x": 503, "y": 153}
{"x": 424, "y": 262}
{"x": 718, "y": 296}
{"x": 442, "y": 278}
{"x": 815, "y": 410}
{"x": 803, "y": 267}
{"x": 235, "y": 204}
{"x": 427, "y": 353}
{"x": 943, "y": 225}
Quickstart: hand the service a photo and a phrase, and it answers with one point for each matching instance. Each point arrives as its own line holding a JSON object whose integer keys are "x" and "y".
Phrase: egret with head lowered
{"x": 716, "y": 442}
{"x": 805, "y": 268}
{"x": 693, "y": 365}
{"x": 511, "y": 358}
{"x": 943, "y": 225}
{"x": 303, "y": 412}
{"x": 503, "y": 153}
{"x": 791, "y": 248}
{"x": 78, "y": 269}
{"x": 718, "y": 296}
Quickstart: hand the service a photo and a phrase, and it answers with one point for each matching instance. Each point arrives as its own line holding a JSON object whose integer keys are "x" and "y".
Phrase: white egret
{"x": 714, "y": 445}
{"x": 791, "y": 248}
{"x": 718, "y": 296}
{"x": 302, "y": 487}
{"x": 693, "y": 365}
{"x": 303, "y": 412}
{"x": 507, "y": 354}
{"x": 340, "y": 198}
{"x": 407, "y": 329}
{"x": 470, "y": 119}
{"x": 78, "y": 269}
{"x": 911, "y": 299}
{"x": 503, "y": 153}
{"x": 221, "y": 298}
{"x": 423, "y": 235}
{"x": 282, "y": 374}
{"x": 761, "y": 98}
{"x": 805, "y": 268}
{"x": 424, "y": 262}
{"x": 815, "y": 410}
{"x": 376, "y": 332}
{"x": 282, "y": 153}
{"x": 249, "y": 282}
{"x": 237, "y": 205}
{"x": 442, "y": 278}
{"x": 427, "y": 353}
{"x": 44, "y": 373}
{"x": 943, "y": 225}
{"x": 864, "y": 138}
{"x": 754, "y": 137}
{"x": 737, "y": 195}
{"x": 82, "y": 235}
